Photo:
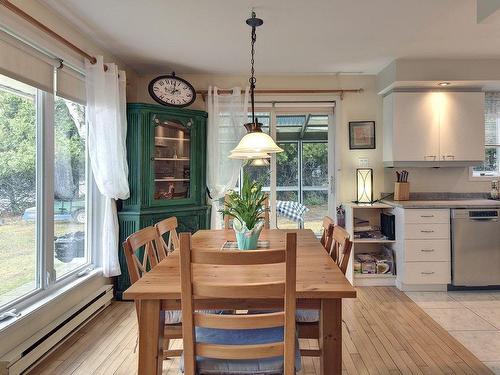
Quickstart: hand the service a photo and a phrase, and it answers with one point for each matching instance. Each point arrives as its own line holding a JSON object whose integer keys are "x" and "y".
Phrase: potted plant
{"x": 247, "y": 210}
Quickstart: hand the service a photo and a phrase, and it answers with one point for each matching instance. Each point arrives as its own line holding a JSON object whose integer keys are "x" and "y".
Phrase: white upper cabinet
{"x": 432, "y": 128}
{"x": 462, "y": 127}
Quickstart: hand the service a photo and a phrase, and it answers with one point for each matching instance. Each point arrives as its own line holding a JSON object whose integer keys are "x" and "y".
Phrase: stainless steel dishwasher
{"x": 475, "y": 247}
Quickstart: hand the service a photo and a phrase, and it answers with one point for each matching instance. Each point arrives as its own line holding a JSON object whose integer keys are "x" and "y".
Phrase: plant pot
{"x": 247, "y": 238}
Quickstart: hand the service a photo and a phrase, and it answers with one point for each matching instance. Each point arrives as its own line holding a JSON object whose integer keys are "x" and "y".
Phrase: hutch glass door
{"x": 172, "y": 160}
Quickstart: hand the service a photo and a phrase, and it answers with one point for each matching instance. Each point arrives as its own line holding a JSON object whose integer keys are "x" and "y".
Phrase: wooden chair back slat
{"x": 256, "y": 321}
{"x": 341, "y": 250}
{"x": 238, "y": 257}
{"x": 208, "y": 289}
{"x": 240, "y": 351}
{"x": 265, "y": 214}
{"x": 169, "y": 226}
{"x": 257, "y": 290}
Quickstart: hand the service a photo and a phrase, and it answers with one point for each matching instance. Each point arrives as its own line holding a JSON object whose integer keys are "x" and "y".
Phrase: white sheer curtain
{"x": 226, "y": 116}
{"x": 107, "y": 122}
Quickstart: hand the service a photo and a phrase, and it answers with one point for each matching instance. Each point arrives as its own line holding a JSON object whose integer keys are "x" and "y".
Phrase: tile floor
{"x": 473, "y": 318}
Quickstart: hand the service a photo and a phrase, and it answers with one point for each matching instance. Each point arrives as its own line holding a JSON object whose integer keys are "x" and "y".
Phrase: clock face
{"x": 172, "y": 91}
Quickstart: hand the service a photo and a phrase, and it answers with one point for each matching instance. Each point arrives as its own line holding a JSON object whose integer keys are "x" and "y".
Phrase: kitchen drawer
{"x": 427, "y": 231}
{"x": 427, "y": 273}
{"x": 427, "y": 250}
{"x": 427, "y": 216}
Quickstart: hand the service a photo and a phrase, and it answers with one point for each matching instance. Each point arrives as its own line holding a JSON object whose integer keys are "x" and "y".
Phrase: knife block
{"x": 401, "y": 191}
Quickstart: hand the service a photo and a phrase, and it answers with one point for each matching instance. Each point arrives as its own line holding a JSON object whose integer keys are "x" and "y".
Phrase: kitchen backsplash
{"x": 446, "y": 180}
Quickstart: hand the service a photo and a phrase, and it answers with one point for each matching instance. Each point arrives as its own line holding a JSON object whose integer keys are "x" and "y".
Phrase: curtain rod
{"x": 7, "y": 4}
{"x": 204, "y": 93}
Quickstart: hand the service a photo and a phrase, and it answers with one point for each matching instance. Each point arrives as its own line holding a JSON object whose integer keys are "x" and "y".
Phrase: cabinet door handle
{"x": 427, "y": 273}
{"x": 452, "y": 157}
{"x": 427, "y": 231}
{"x": 427, "y": 250}
{"x": 430, "y": 156}
{"x": 426, "y": 215}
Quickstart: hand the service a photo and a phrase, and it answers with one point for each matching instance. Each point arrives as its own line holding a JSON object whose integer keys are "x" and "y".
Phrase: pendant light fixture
{"x": 255, "y": 142}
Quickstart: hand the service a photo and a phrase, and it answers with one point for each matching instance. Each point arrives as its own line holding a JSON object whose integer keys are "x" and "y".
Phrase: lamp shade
{"x": 256, "y": 142}
{"x": 364, "y": 185}
{"x": 248, "y": 155}
{"x": 259, "y": 163}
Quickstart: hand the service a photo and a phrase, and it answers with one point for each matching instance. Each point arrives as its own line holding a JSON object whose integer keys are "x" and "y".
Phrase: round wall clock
{"x": 171, "y": 90}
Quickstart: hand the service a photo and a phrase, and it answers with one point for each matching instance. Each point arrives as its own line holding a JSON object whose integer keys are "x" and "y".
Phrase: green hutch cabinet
{"x": 166, "y": 153}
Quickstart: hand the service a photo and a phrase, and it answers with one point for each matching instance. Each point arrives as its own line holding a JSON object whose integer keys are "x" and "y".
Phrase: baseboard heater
{"x": 28, "y": 354}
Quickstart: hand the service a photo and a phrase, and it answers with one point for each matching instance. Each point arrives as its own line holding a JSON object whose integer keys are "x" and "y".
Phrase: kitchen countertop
{"x": 444, "y": 203}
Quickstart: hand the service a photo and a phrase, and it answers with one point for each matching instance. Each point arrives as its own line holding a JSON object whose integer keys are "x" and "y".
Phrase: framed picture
{"x": 361, "y": 135}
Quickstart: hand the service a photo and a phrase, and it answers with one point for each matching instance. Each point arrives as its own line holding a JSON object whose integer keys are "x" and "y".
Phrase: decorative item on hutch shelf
{"x": 402, "y": 186}
{"x": 246, "y": 209}
{"x": 255, "y": 142}
{"x": 364, "y": 185}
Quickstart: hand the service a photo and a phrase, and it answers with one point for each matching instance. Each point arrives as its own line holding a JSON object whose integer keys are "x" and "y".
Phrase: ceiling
{"x": 318, "y": 36}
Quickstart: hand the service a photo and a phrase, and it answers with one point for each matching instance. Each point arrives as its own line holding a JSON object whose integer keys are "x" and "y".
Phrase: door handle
{"x": 426, "y": 215}
{"x": 427, "y": 273}
{"x": 427, "y": 250}
{"x": 427, "y": 231}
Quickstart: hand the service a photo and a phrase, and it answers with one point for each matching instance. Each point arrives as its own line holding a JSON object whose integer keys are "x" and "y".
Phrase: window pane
{"x": 490, "y": 165}
{"x": 69, "y": 187}
{"x": 283, "y": 222}
{"x": 287, "y": 167}
{"x": 18, "y": 255}
{"x": 317, "y": 203}
{"x": 315, "y": 164}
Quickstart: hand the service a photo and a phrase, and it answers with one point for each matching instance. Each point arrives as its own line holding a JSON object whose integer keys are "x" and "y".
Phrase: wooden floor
{"x": 385, "y": 333}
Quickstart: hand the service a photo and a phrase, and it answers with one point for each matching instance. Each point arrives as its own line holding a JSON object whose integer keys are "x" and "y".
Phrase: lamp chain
{"x": 252, "y": 79}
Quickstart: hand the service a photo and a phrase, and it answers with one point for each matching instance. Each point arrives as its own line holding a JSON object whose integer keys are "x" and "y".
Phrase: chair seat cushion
{"x": 175, "y": 316}
{"x": 307, "y": 316}
{"x": 263, "y": 366}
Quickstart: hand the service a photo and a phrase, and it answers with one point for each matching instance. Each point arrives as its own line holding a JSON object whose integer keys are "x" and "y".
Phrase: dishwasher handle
{"x": 493, "y": 219}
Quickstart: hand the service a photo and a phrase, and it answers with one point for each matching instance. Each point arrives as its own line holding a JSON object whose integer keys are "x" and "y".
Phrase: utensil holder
{"x": 401, "y": 191}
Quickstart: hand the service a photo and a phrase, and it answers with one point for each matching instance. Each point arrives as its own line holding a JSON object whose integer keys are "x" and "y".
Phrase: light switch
{"x": 363, "y": 163}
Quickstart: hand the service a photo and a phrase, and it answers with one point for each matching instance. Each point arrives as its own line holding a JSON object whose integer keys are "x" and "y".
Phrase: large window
{"x": 491, "y": 165}
{"x": 43, "y": 190}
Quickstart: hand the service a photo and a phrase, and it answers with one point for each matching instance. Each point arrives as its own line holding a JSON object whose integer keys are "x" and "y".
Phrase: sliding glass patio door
{"x": 300, "y": 179}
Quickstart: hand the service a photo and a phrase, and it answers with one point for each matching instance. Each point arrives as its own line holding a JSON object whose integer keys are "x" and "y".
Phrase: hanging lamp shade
{"x": 256, "y": 141}
{"x": 259, "y": 163}
{"x": 248, "y": 155}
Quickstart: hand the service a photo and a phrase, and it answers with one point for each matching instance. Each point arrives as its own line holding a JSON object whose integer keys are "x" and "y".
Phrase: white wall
{"x": 362, "y": 106}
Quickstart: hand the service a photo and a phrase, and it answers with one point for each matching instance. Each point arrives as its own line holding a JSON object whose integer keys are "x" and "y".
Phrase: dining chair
{"x": 169, "y": 226}
{"x": 265, "y": 215}
{"x": 308, "y": 320}
{"x": 239, "y": 344}
{"x": 141, "y": 253}
{"x": 341, "y": 249}
{"x": 327, "y": 235}
{"x": 307, "y": 315}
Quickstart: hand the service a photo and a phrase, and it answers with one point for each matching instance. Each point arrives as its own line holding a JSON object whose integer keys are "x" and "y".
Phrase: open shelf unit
{"x": 369, "y": 215}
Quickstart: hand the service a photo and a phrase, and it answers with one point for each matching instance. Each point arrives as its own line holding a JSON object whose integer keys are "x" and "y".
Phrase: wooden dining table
{"x": 320, "y": 285}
